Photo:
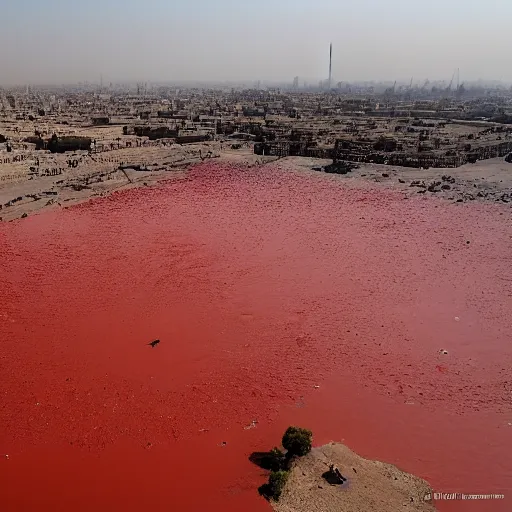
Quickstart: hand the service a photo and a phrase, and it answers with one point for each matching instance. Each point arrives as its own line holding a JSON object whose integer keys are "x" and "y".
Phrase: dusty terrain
{"x": 23, "y": 193}
{"x": 371, "y": 485}
{"x": 489, "y": 180}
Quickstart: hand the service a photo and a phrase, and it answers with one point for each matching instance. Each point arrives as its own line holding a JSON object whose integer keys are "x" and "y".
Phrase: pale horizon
{"x": 271, "y": 41}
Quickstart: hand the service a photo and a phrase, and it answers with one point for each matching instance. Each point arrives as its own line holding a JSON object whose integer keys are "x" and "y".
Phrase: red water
{"x": 261, "y": 285}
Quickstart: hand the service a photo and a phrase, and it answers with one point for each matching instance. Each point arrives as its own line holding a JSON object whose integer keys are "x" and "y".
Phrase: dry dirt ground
{"x": 23, "y": 192}
{"x": 486, "y": 180}
{"x": 371, "y": 485}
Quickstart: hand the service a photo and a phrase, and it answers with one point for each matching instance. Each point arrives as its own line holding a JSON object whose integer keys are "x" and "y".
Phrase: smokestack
{"x": 330, "y": 65}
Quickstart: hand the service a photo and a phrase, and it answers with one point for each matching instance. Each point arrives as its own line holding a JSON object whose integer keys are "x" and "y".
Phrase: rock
{"x": 24, "y": 216}
{"x": 385, "y": 175}
{"x": 340, "y": 167}
{"x": 446, "y": 187}
{"x": 432, "y": 187}
{"x": 400, "y": 180}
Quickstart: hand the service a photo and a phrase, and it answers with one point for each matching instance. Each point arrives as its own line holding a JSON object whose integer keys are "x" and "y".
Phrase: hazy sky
{"x": 56, "y": 41}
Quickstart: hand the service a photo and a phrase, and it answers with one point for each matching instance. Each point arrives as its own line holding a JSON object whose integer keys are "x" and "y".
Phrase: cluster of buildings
{"x": 394, "y": 127}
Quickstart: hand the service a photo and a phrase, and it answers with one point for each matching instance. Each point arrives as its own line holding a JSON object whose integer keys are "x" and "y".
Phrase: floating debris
{"x": 252, "y": 425}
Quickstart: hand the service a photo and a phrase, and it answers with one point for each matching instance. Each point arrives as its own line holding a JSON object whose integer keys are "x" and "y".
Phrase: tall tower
{"x": 330, "y": 66}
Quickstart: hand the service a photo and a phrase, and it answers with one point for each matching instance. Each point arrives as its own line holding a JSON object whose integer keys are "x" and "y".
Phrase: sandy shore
{"x": 27, "y": 185}
{"x": 371, "y": 485}
{"x": 487, "y": 180}
{"x": 23, "y": 192}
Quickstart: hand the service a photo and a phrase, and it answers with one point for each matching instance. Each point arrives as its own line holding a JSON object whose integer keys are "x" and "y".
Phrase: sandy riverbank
{"x": 485, "y": 181}
{"x": 24, "y": 192}
{"x": 26, "y": 187}
{"x": 371, "y": 485}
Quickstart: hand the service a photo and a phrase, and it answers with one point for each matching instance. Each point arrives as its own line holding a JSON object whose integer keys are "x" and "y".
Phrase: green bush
{"x": 297, "y": 441}
{"x": 276, "y": 460}
{"x": 276, "y": 482}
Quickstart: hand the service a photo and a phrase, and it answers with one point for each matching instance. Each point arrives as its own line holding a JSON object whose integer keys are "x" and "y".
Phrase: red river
{"x": 280, "y": 297}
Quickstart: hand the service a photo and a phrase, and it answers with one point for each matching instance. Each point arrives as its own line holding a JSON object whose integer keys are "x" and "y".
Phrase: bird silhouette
{"x": 154, "y": 343}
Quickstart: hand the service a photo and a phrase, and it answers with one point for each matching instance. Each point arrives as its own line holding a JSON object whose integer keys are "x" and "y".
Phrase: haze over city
{"x": 61, "y": 42}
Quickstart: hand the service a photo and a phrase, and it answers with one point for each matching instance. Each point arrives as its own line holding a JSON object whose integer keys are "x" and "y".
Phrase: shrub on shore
{"x": 297, "y": 441}
{"x": 274, "y": 488}
{"x": 276, "y": 460}
{"x": 276, "y": 482}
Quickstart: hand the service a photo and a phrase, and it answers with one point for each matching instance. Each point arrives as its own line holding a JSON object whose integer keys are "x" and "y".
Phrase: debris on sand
{"x": 334, "y": 476}
{"x": 433, "y": 186}
{"x": 340, "y": 167}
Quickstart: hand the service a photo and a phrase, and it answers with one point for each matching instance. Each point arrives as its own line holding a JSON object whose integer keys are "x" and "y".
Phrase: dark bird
{"x": 154, "y": 343}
